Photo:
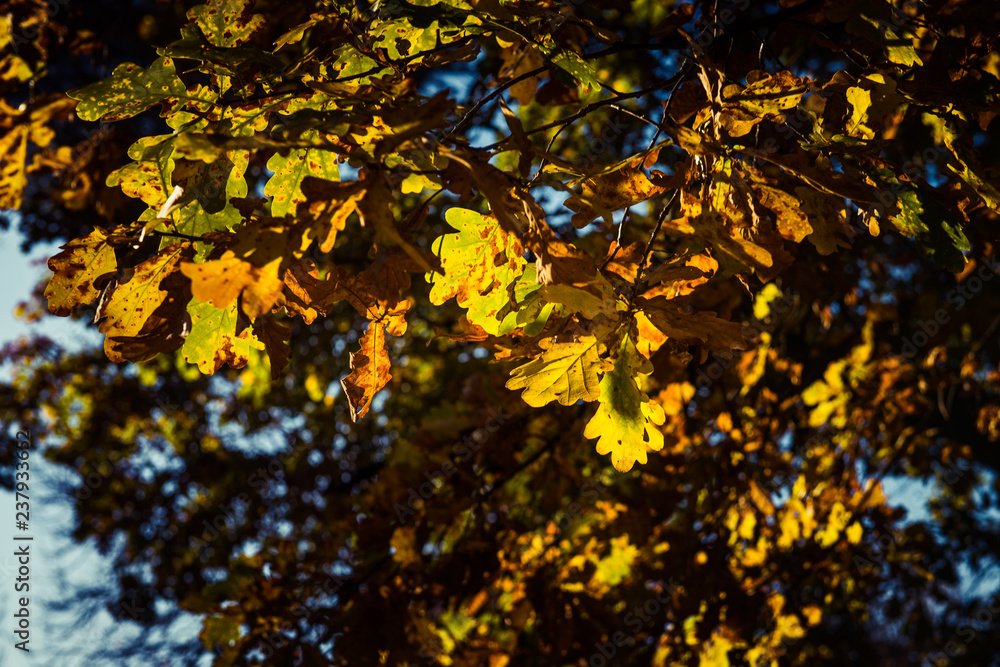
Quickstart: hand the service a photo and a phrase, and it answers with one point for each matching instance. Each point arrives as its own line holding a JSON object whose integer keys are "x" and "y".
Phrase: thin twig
{"x": 652, "y": 237}
{"x": 467, "y": 118}
{"x": 618, "y": 241}
{"x": 670, "y": 98}
{"x": 591, "y": 107}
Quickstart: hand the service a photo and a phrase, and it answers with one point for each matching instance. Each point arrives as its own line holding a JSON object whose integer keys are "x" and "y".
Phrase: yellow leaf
{"x": 716, "y": 652}
{"x": 626, "y": 421}
{"x": 481, "y": 263}
{"x": 764, "y": 98}
{"x": 565, "y": 372}
{"x": 613, "y": 569}
{"x": 791, "y": 221}
{"x": 756, "y": 555}
{"x": 404, "y": 545}
{"x": 76, "y": 268}
{"x": 576, "y": 300}
{"x": 763, "y": 299}
{"x": 710, "y": 228}
{"x": 813, "y": 614}
{"x": 13, "y": 151}
{"x": 747, "y": 526}
{"x": 839, "y": 516}
{"x": 132, "y": 302}
{"x": 788, "y": 626}
{"x": 140, "y": 319}
{"x": 789, "y": 528}
{"x": 220, "y": 281}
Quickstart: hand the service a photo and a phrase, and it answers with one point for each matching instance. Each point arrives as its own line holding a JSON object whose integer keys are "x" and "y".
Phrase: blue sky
{"x": 78, "y": 636}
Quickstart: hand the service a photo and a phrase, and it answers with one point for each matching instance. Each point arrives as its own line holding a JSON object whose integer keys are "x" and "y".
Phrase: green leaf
{"x": 226, "y": 23}
{"x": 289, "y": 170}
{"x": 920, "y": 216}
{"x": 215, "y": 339}
{"x": 578, "y": 68}
{"x": 203, "y": 215}
{"x": 349, "y": 63}
{"x": 625, "y": 424}
{"x": 481, "y": 264}
{"x": 129, "y": 90}
{"x": 968, "y": 169}
{"x": 400, "y": 39}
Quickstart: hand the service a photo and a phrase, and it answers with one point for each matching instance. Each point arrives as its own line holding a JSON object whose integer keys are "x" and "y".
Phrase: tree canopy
{"x": 497, "y": 332}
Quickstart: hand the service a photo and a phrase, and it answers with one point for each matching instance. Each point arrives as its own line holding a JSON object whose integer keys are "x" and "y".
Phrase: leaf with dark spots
{"x": 76, "y": 270}
{"x": 129, "y": 90}
{"x": 226, "y": 23}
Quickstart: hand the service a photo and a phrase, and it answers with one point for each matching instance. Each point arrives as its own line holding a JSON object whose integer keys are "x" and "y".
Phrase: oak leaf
{"x": 764, "y": 98}
{"x": 370, "y": 364}
{"x": 129, "y": 90}
{"x": 481, "y": 262}
{"x": 285, "y": 186}
{"x": 216, "y": 338}
{"x": 626, "y": 422}
{"x": 604, "y": 194}
{"x": 226, "y": 23}
{"x": 699, "y": 327}
{"x": 129, "y": 312}
{"x": 565, "y": 372}
{"x": 76, "y": 269}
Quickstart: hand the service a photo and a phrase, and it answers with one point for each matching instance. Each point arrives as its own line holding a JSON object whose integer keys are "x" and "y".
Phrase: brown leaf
{"x": 521, "y": 140}
{"x": 376, "y": 214}
{"x": 330, "y": 204}
{"x": 791, "y": 221}
{"x": 607, "y": 193}
{"x": 700, "y": 327}
{"x": 830, "y": 231}
{"x": 558, "y": 261}
{"x": 370, "y": 365}
{"x": 305, "y": 291}
{"x": 275, "y": 337}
